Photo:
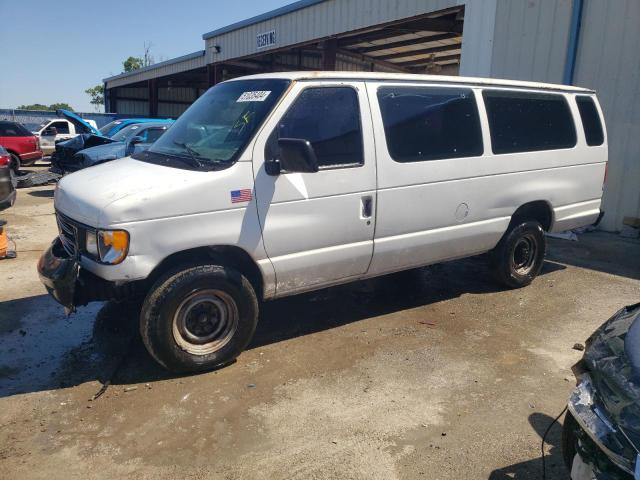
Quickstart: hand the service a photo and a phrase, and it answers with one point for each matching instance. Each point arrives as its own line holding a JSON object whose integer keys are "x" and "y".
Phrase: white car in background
{"x": 58, "y": 129}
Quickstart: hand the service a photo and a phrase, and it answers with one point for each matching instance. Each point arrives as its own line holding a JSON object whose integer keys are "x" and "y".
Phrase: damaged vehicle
{"x": 60, "y": 129}
{"x": 131, "y": 139}
{"x": 111, "y": 128}
{"x": 601, "y": 432}
{"x": 276, "y": 184}
{"x": 64, "y": 159}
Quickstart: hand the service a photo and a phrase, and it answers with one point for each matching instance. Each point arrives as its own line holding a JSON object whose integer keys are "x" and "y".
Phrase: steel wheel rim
{"x": 205, "y": 321}
{"x": 523, "y": 255}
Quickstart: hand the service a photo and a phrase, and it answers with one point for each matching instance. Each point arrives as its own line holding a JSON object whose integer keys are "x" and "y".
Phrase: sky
{"x": 52, "y": 52}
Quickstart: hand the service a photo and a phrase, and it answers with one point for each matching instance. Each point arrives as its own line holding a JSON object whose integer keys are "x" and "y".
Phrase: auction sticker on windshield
{"x": 257, "y": 96}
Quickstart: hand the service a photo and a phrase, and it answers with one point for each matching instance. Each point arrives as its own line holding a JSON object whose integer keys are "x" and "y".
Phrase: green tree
{"x": 60, "y": 105}
{"x": 135, "y": 63}
{"x": 34, "y": 106}
{"x": 97, "y": 95}
{"x": 52, "y": 107}
{"x": 132, "y": 63}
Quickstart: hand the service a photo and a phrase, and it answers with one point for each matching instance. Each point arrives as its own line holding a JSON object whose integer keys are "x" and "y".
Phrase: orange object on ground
{"x": 4, "y": 242}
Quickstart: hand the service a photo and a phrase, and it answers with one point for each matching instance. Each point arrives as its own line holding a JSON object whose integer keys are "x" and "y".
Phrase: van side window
{"x": 430, "y": 123}
{"x": 329, "y": 118}
{"x": 590, "y": 121}
{"x": 61, "y": 127}
{"x": 528, "y": 121}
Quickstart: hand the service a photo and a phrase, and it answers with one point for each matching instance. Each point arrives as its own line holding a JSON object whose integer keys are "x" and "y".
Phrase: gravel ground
{"x": 436, "y": 373}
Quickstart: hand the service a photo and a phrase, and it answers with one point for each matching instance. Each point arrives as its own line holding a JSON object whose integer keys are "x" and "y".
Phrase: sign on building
{"x": 266, "y": 39}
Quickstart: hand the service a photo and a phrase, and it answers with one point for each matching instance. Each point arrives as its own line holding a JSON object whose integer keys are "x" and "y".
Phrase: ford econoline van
{"x": 275, "y": 184}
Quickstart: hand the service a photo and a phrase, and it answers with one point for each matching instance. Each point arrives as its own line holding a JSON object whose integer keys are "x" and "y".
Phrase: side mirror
{"x": 135, "y": 140}
{"x": 296, "y": 155}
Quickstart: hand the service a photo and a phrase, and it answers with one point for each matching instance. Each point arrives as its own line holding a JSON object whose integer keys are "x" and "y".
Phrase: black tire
{"x": 13, "y": 177}
{"x": 185, "y": 308}
{"x": 15, "y": 163}
{"x": 568, "y": 442}
{"x": 518, "y": 257}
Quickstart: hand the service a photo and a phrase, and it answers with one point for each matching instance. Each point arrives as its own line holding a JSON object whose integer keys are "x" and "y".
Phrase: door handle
{"x": 367, "y": 206}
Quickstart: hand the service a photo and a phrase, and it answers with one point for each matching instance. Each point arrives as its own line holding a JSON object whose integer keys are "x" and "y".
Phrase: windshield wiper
{"x": 193, "y": 154}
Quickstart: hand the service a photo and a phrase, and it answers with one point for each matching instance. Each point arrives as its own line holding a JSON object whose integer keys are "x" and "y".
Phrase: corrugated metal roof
{"x": 300, "y": 4}
{"x": 155, "y": 66}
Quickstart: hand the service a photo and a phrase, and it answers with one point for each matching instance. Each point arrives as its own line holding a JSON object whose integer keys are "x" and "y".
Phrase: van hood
{"x": 79, "y": 123}
{"x": 128, "y": 190}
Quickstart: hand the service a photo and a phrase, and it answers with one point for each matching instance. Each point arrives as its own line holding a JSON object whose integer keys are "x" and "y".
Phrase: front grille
{"x": 68, "y": 232}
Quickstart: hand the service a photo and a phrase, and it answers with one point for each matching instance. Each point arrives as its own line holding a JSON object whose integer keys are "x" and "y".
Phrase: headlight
{"x": 91, "y": 243}
{"x": 109, "y": 246}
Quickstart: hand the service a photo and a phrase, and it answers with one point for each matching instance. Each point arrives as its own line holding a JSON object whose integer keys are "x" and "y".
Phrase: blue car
{"x": 69, "y": 155}
{"x": 111, "y": 128}
{"x": 134, "y": 138}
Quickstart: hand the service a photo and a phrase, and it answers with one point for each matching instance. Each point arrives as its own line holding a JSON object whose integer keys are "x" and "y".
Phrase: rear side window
{"x": 427, "y": 123}
{"x": 10, "y": 129}
{"x": 329, "y": 117}
{"x": 528, "y": 121}
{"x": 590, "y": 121}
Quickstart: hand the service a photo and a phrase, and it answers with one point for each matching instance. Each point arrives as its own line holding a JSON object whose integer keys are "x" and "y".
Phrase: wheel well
{"x": 12, "y": 152}
{"x": 226, "y": 255}
{"x": 539, "y": 210}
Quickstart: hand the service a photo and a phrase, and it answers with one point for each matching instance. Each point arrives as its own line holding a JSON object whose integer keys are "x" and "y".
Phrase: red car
{"x": 22, "y": 145}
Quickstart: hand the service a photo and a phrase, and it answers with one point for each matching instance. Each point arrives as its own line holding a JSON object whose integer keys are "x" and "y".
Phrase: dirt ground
{"x": 435, "y": 373}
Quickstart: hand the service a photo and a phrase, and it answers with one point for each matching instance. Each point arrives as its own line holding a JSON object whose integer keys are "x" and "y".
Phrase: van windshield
{"x": 218, "y": 126}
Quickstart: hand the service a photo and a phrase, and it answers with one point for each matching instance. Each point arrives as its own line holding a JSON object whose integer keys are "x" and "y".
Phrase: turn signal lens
{"x": 113, "y": 245}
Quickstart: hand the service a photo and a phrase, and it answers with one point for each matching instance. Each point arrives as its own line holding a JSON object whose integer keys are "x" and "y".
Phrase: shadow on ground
{"x": 601, "y": 251}
{"x": 532, "y": 469}
{"x": 42, "y": 349}
{"x": 43, "y": 193}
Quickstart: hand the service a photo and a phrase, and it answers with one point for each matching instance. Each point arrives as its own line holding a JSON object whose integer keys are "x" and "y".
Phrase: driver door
{"x": 318, "y": 227}
{"x": 55, "y": 131}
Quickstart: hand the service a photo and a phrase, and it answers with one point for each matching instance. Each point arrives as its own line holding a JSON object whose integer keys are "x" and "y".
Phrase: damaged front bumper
{"x": 72, "y": 286}
{"x": 59, "y": 274}
{"x": 605, "y": 449}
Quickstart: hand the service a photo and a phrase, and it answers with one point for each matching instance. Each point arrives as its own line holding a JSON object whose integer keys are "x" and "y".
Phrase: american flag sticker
{"x": 241, "y": 196}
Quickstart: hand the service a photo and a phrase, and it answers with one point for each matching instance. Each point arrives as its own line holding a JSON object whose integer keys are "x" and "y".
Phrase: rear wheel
{"x": 15, "y": 163}
{"x": 518, "y": 257}
{"x": 199, "y": 318}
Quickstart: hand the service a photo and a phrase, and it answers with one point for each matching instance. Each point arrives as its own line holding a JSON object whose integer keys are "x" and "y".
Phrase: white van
{"x": 275, "y": 184}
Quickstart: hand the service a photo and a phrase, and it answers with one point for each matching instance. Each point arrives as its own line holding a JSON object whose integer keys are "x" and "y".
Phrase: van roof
{"x": 410, "y": 77}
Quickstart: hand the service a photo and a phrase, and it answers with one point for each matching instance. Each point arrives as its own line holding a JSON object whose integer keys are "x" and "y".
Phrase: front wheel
{"x": 518, "y": 257}
{"x": 199, "y": 318}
